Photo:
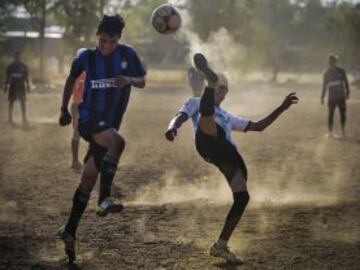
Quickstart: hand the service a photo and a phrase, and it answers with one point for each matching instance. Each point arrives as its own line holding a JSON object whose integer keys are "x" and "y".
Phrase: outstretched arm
{"x": 174, "y": 125}
{"x": 268, "y": 120}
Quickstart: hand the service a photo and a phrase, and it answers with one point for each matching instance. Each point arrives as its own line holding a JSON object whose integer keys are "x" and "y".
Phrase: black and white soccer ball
{"x": 166, "y": 19}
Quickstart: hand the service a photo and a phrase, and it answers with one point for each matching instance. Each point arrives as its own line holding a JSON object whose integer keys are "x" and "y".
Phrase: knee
{"x": 241, "y": 199}
{"x": 119, "y": 142}
{"x": 343, "y": 113}
{"x": 85, "y": 190}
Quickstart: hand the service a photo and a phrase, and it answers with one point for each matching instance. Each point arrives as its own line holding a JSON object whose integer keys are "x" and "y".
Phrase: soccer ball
{"x": 166, "y": 19}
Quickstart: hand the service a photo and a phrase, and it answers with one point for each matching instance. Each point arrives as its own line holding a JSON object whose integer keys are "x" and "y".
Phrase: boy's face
{"x": 220, "y": 93}
{"x": 107, "y": 44}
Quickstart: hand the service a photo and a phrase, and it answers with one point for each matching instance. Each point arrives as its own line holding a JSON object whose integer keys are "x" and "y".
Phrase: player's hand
{"x": 65, "y": 117}
{"x": 122, "y": 81}
{"x": 171, "y": 133}
{"x": 289, "y": 100}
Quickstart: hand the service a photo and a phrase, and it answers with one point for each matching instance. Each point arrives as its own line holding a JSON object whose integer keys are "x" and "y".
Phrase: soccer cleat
{"x": 109, "y": 205}
{"x": 226, "y": 254}
{"x": 69, "y": 242}
{"x": 202, "y": 64}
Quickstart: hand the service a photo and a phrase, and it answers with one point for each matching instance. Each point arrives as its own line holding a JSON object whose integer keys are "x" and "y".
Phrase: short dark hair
{"x": 111, "y": 25}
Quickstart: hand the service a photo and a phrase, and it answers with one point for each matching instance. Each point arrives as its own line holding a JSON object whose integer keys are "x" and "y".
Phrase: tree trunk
{"x": 42, "y": 41}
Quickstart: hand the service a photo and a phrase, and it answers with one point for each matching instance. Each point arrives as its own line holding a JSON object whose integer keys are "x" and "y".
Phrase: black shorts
{"x": 16, "y": 93}
{"x": 339, "y": 102}
{"x": 97, "y": 152}
{"x": 86, "y": 129}
{"x": 220, "y": 152}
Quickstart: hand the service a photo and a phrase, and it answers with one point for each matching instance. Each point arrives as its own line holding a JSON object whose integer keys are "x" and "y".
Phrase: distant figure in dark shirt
{"x": 336, "y": 84}
{"x": 196, "y": 80}
{"x": 17, "y": 75}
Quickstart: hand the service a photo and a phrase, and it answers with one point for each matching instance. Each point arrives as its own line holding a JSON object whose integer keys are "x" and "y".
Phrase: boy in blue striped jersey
{"x": 111, "y": 70}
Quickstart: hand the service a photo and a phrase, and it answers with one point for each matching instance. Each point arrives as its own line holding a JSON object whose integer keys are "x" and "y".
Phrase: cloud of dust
{"x": 172, "y": 189}
{"x": 312, "y": 182}
{"x": 224, "y": 60}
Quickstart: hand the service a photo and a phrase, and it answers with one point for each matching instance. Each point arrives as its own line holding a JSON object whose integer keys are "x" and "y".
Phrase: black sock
{"x": 207, "y": 102}
{"x": 80, "y": 202}
{"x": 108, "y": 170}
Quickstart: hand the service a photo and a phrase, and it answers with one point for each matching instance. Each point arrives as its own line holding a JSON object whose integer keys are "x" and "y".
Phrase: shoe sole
{"x": 202, "y": 64}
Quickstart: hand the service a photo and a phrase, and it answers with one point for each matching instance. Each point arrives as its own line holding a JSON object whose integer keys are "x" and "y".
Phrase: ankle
{"x": 220, "y": 243}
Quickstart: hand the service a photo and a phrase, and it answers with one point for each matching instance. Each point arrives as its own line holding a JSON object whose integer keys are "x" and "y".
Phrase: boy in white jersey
{"x": 213, "y": 126}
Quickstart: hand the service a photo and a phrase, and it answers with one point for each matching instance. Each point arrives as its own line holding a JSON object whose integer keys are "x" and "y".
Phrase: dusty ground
{"x": 305, "y": 206}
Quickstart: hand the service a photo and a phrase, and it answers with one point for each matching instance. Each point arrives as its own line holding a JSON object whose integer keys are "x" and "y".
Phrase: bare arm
{"x": 174, "y": 125}
{"x": 268, "y": 120}
{"x": 7, "y": 81}
{"x": 27, "y": 80}
{"x": 346, "y": 85}
{"x": 27, "y": 85}
{"x": 122, "y": 81}
{"x": 68, "y": 89}
{"x": 323, "y": 92}
{"x": 65, "y": 117}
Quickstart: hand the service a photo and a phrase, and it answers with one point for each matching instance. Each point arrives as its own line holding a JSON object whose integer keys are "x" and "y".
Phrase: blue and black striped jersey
{"x": 103, "y": 102}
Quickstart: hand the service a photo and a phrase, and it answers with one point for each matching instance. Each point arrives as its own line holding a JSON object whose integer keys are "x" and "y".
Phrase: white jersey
{"x": 226, "y": 120}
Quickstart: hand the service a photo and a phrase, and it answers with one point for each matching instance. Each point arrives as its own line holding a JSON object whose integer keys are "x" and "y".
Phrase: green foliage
{"x": 283, "y": 34}
{"x": 80, "y": 19}
{"x": 278, "y": 34}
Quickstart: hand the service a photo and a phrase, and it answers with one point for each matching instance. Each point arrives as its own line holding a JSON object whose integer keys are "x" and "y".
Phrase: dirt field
{"x": 304, "y": 211}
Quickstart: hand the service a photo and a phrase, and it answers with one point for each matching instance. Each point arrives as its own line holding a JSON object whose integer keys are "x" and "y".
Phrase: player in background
{"x": 77, "y": 96}
{"x": 212, "y": 127}
{"x": 17, "y": 79}
{"x": 111, "y": 70}
{"x": 335, "y": 82}
{"x": 196, "y": 81}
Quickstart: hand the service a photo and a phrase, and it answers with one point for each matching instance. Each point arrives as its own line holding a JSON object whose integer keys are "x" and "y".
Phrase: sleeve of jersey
{"x": 78, "y": 65}
{"x": 137, "y": 68}
{"x": 238, "y": 123}
{"x": 190, "y": 107}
